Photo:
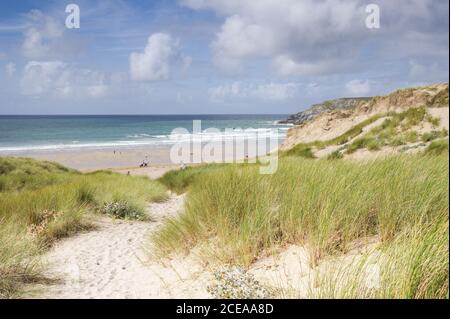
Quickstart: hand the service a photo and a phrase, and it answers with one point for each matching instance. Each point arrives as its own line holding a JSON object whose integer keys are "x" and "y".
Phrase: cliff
{"x": 329, "y": 120}
{"x": 327, "y": 106}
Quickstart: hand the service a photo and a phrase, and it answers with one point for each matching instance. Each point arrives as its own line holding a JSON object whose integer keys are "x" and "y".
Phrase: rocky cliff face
{"x": 327, "y": 106}
{"x": 330, "y": 119}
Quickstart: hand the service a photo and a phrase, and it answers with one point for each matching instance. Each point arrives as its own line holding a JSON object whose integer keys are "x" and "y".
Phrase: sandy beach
{"x": 96, "y": 159}
{"x": 126, "y": 160}
{"x": 114, "y": 262}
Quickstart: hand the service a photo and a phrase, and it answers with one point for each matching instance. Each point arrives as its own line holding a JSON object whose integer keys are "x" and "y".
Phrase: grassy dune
{"x": 234, "y": 215}
{"x": 41, "y": 202}
{"x": 397, "y": 130}
{"x": 413, "y": 265}
{"x": 325, "y": 206}
{"x": 179, "y": 181}
{"x": 394, "y": 131}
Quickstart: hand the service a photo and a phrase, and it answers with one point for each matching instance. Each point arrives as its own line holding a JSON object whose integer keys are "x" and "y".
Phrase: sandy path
{"x": 111, "y": 263}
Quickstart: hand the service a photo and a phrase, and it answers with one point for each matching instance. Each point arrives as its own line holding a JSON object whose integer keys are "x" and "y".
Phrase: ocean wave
{"x": 158, "y": 140}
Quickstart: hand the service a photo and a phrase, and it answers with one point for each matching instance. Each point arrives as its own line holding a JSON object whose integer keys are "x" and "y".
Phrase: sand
{"x": 96, "y": 159}
{"x": 113, "y": 262}
{"x": 153, "y": 171}
{"x": 291, "y": 273}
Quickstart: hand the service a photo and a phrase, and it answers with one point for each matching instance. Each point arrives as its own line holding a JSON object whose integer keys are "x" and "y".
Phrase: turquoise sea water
{"x": 25, "y": 133}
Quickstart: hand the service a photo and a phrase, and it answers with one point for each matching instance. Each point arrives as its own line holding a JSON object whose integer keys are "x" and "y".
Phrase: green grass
{"x": 440, "y": 99}
{"x": 41, "y": 202}
{"x": 306, "y": 149}
{"x": 385, "y": 134}
{"x": 179, "y": 180}
{"x": 335, "y": 202}
{"x": 396, "y": 131}
{"x": 301, "y": 150}
{"x": 19, "y": 263}
{"x": 25, "y": 173}
{"x": 335, "y": 155}
{"x": 437, "y": 148}
{"x": 413, "y": 266}
{"x": 368, "y": 142}
{"x": 433, "y": 135}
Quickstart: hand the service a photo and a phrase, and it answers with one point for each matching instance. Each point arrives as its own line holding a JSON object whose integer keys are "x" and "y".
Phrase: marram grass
{"x": 41, "y": 202}
{"x": 325, "y": 206}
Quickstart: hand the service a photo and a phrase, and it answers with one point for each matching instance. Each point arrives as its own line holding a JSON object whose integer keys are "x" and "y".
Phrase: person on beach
{"x": 145, "y": 162}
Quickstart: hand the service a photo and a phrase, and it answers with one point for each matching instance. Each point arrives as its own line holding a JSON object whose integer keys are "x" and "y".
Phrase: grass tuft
{"x": 41, "y": 202}
{"x": 437, "y": 148}
{"x": 335, "y": 202}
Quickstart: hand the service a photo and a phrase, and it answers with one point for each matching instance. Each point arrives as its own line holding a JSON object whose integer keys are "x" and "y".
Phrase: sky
{"x": 214, "y": 56}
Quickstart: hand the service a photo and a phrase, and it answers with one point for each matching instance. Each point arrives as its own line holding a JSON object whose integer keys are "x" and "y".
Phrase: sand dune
{"x": 111, "y": 262}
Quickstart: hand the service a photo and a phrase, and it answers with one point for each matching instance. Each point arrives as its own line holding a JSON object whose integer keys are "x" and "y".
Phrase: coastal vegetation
{"x": 396, "y": 130}
{"x": 179, "y": 181}
{"x": 41, "y": 202}
{"x": 234, "y": 216}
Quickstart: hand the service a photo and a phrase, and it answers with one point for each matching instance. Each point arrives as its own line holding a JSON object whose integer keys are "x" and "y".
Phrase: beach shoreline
{"x": 126, "y": 160}
{"x": 121, "y": 160}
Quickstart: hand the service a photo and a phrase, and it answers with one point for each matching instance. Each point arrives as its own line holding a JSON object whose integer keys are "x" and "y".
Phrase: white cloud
{"x": 286, "y": 66}
{"x": 298, "y": 35}
{"x": 155, "y": 62}
{"x": 44, "y": 38}
{"x": 311, "y": 37}
{"x": 240, "y": 38}
{"x": 358, "y": 87}
{"x": 40, "y": 77}
{"x": 10, "y": 69}
{"x": 40, "y": 38}
{"x": 275, "y": 92}
{"x": 55, "y": 78}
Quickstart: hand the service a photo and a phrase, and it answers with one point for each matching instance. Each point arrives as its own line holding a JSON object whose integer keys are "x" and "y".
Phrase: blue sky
{"x": 213, "y": 56}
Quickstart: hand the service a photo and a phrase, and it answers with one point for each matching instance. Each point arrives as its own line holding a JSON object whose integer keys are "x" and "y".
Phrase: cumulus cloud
{"x": 45, "y": 38}
{"x": 312, "y": 37}
{"x": 298, "y": 35}
{"x": 275, "y": 92}
{"x": 39, "y": 38}
{"x": 358, "y": 87}
{"x": 154, "y": 63}
{"x": 287, "y": 66}
{"x": 56, "y": 78}
{"x": 10, "y": 69}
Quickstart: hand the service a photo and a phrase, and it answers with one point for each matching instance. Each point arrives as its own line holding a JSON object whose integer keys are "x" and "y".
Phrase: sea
{"x": 71, "y": 132}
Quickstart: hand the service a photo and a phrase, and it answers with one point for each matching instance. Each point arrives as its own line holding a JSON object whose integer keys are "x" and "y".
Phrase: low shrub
{"x": 124, "y": 210}
{"x": 236, "y": 283}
